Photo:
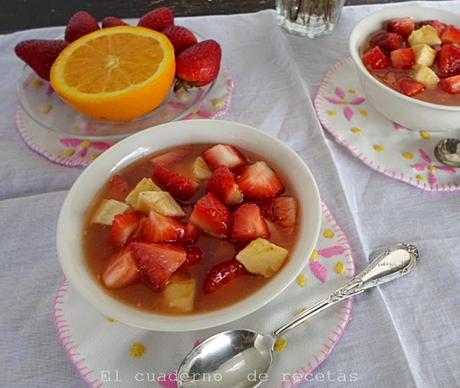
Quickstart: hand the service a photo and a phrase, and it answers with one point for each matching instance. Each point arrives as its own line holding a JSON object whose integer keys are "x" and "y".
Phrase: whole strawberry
{"x": 80, "y": 24}
{"x": 198, "y": 65}
{"x": 180, "y": 37}
{"x": 158, "y": 19}
{"x": 40, "y": 54}
{"x": 112, "y": 21}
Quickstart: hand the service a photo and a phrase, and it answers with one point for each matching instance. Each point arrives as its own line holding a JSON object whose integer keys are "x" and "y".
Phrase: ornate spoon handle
{"x": 385, "y": 265}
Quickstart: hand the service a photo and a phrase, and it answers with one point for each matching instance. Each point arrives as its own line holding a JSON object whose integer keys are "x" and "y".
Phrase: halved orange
{"x": 117, "y": 73}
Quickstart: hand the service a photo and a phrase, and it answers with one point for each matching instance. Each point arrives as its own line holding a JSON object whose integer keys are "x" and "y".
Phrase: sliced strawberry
{"x": 403, "y": 58}
{"x": 178, "y": 185}
{"x": 158, "y": 228}
{"x": 136, "y": 235}
{"x": 171, "y": 157}
{"x": 451, "y": 85}
{"x": 403, "y": 26}
{"x": 410, "y": 87}
{"x": 451, "y": 35}
{"x": 211, "y": 216}
{"x": 121, "y": 270}
{"x": 224, "y": 155}
{"x": 191, "y": 235}
{"x": 436, "y": 24}
{"x": 123, "y": 226}
{"x": 375, "y": 59}
{"x": 157, "y": 262}
{"x": 221, "y": 274}
{"x": 267, "y": 209}
{"x": 258, "y": 181}
{"x": 284, "y": 211}
{"x": 118, "y": 187}
{"x": 249, "y": 223}
{"x": 387, "y": 41}
{"x": 222, "y": 183}
{"x": 449, "y": 60}
{"x": 194, "y": 256}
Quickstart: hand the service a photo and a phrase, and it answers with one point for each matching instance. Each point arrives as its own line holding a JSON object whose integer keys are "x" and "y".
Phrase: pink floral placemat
{"x": 108, "y": 353}
{"x": 78, "y": 151}
{"x": 381, "y": 144}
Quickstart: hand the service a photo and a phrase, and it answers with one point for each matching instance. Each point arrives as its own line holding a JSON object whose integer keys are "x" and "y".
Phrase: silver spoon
{"x": 242, "y": 358}
{"x": 447, "y": 151}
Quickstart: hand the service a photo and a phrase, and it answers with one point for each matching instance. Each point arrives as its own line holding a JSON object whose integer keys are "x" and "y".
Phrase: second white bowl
{"x": 412, "y": 113}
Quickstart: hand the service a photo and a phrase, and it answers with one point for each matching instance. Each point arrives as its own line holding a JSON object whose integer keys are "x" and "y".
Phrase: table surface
{"x": 24, "y": 14}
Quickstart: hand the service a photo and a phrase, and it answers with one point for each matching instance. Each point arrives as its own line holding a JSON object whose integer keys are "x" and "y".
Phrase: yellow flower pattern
{"x": 85, "y": 144}
{"x": 340, "y": 268}
{"x": 47, "y": 108}
{"x": 280, "y": 345}
{"x": 328, "y": 233}
{"x": 356, "y": 130}
{"x": 69, "y": 152}
{"x": 302, "y": 280}
{"x": 314, "y": 255}
{"x": 425, "y": 135}
{"x": 420, "y": 178}
{"x": 137, "y": 350}
{"x": 218, "y": 102}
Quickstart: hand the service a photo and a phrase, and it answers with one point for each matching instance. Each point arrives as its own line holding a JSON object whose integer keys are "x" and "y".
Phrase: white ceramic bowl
{"x": 410, "y": 112}
{"x": 71, "y": 219}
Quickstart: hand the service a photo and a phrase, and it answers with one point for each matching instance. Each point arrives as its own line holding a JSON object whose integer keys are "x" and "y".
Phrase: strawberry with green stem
{"x": 198, "y": 65}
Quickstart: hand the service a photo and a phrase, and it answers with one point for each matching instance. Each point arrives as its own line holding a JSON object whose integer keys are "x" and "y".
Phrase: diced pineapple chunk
{"x": 200, "y": 169}
{"x": 160, "y": 201}
{"x": 425, "y": 75}
{"x": 145, "y": 184}
{"x": 424, "y": 35}
{"x": 180, "y": 295}
{"x": 107, "y": 211}
{"x": 261, "y": 257}
{"x": 424, "y": 54}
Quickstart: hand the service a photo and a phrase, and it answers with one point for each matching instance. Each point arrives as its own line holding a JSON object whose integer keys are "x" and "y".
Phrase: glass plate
{"x": 46, "y": 108}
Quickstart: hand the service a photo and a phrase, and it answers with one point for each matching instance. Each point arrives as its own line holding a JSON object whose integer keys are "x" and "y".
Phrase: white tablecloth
{"x": 405, "y": 334}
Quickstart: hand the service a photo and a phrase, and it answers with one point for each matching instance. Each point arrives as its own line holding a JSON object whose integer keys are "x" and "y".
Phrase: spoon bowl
{"x": 241, "y": 358}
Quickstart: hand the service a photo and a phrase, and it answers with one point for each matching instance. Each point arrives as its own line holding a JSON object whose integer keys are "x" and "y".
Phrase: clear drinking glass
{"x": 308, "y": 17}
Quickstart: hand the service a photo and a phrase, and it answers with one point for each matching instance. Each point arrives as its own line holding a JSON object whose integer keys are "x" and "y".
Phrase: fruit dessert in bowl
{"x": 119, "y": 78}
{"x": 189, "y": 225}
{"x": 408, "y": 61}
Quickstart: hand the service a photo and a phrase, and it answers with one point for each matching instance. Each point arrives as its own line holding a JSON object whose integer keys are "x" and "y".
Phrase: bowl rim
{"x": 85, "y": 283}
{"x": 354, "y": 51}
